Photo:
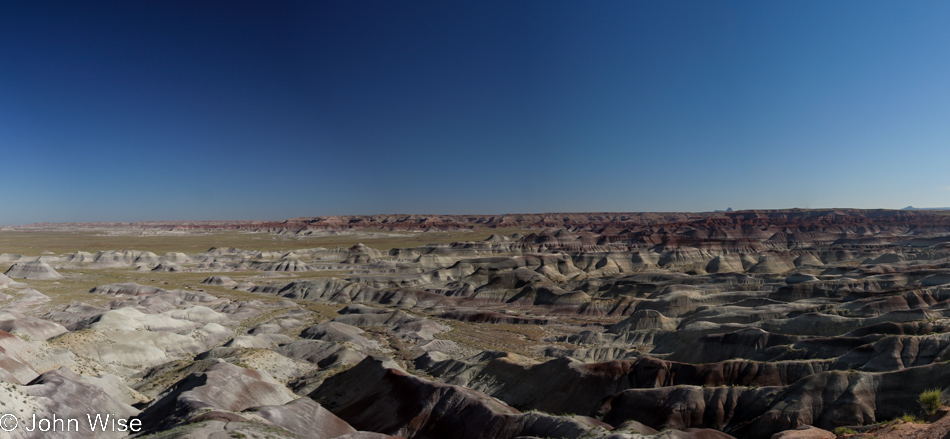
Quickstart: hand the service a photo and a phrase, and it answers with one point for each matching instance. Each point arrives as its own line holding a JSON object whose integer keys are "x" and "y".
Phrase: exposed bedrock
{"x": 825, "y": 400}
{"x": 341, "y": 291}
{"x": 493, "y": 317}
{"x": 564, "y": 385}
{"x": 377, "y": 395}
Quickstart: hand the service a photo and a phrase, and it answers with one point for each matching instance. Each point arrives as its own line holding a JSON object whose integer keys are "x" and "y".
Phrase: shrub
{"x": 930, "y": 400}
{"x": 910, "y": 419}
{"x": 844, "y": 430}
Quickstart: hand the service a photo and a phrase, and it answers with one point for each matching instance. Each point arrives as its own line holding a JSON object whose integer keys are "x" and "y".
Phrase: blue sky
{"x": 163, "y": 110}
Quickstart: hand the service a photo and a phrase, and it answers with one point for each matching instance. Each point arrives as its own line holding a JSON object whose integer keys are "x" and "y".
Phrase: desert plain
{"x": 748, "y": 324}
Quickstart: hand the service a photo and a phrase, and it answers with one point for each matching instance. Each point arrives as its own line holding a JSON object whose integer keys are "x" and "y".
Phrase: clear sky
{"x": 163, "y": 110}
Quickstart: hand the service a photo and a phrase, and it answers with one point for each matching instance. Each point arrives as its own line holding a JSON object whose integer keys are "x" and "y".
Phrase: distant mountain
{"x": 925, "y": 208}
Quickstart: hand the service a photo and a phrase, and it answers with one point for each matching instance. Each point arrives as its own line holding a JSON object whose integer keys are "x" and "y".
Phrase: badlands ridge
{"x": 750, "y": 324}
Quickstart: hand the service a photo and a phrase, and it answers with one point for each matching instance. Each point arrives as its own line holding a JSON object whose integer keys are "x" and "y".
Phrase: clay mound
{"x": 198, "y": 314}
{"x": 322, "y": 353}
{"x": 284, "y": 265}
{"x": 266, "y": 361}
{"x": 772, "y": 263}
{"x": 361, "y": 254}
{"x": 6, "y": 282}
{"x": 6, "y": 258}
{"x": 75, "y": 314}
{"x": 176, "y": 258}
{"x": 14, "y": 353}
{"x": 730, "y": 263}
{"x": 343, "y": 291}
{"x": 563, "y": 298}
{"x": 222, "y": 386}
{"x": 363, "y": 249}
{"x": 644, "y": 320}
{"x": 32, "y": 327}
{"x": 146, "y": 258}
{"x": 67, "y": 395}
{"x": 80, "y": 258}
{"x": 306, "y": 418}
{"x": 131, "y": 319}
{"x": 126, "y": 289}
{"x": 339, "y": 332}
{"x": 168, "y": 267}
{"x": 216, "y": 251}
{"x": 805, "y": 432}
{"x": 684, "y": 257}
{"x": 245, "y": 286}
{"x": 38, "y": 270}
{"x": 808, "y": 259}
{"x": 399, "y": 322}
{"x": 206, "y": 412}
{"x": 495, "y": 238}
{"x": 111, "y": 259}
{"x": 26, "y": 299}
{"x": 219, "y": 280}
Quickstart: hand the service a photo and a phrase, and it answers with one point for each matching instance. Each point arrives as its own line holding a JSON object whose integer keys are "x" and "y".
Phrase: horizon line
{"x": 234, "y": 221}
